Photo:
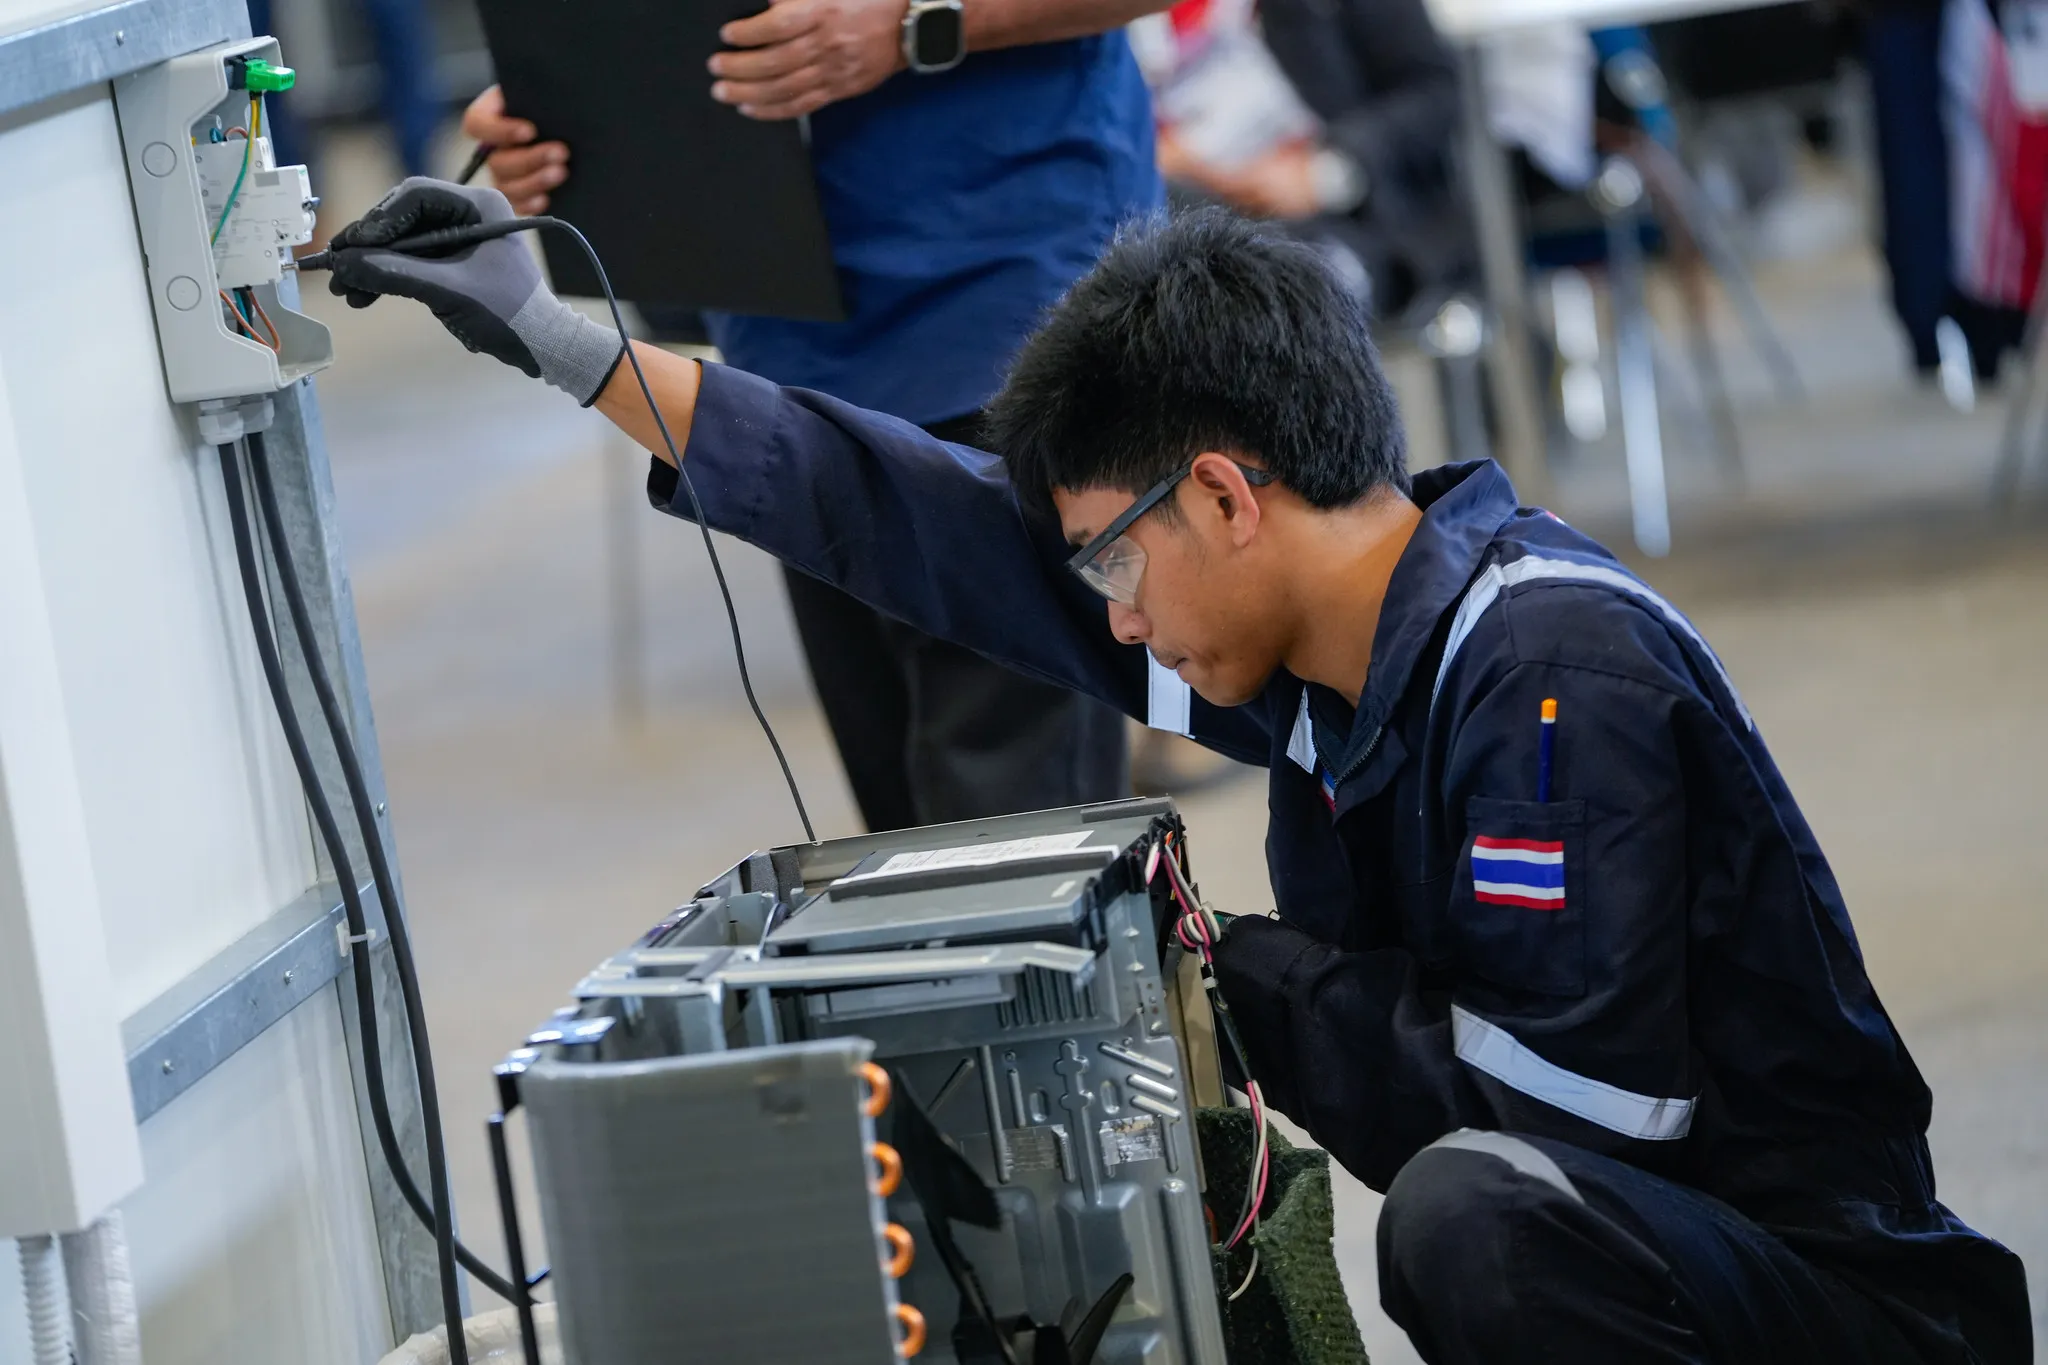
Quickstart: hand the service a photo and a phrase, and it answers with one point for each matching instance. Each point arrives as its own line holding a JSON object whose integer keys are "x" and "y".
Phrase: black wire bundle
{"x": 438, "y": 1216}
{"x": 436, "y": 1209}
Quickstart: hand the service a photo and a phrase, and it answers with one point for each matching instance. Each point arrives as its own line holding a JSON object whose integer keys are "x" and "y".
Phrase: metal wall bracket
{"x": 182, "y": 1035}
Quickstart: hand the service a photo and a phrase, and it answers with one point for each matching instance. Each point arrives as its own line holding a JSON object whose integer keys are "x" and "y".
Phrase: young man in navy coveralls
{"x": 1609, "y": 1047}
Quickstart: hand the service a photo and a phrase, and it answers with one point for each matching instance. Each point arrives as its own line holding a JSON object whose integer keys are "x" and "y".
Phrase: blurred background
{"x": 1742, "y": 294}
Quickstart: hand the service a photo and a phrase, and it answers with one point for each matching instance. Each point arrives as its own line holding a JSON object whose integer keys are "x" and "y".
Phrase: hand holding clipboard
{"x": 689, "y": 202}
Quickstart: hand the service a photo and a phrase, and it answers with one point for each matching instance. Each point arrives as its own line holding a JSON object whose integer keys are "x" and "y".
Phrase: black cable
{"x": 330, "y": 834}
{"x": 732, "y": 616}
{"x": 448, "y": 239}
{"x": 439, "y": 1216}
{"x": 380, "y": 867}
{"x": 1177, "y": 872}
{"x": 475, "y": 163}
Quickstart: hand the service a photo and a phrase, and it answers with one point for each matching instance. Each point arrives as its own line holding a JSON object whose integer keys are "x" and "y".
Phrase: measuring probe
{"x": 440, "y": 239}
{"x": 445, "y": 239}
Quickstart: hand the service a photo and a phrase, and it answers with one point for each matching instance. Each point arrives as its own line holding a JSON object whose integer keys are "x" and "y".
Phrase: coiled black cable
{"x": 439, "y": 1216}
{"x": 373, "y": 843}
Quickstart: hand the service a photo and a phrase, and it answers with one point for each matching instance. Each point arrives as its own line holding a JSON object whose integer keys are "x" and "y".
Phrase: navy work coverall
{"x": 1613, "y": 1055}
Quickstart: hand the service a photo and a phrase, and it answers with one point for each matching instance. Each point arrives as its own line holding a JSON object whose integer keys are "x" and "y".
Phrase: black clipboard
{"x": 688, "y": 202}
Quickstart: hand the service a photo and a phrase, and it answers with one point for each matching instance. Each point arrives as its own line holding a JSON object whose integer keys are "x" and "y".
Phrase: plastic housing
{"x": 162, "y": 111}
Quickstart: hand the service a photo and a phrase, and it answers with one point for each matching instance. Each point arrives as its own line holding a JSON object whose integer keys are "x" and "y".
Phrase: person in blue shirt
{"x": 1589, "y": 1009}
{"x": 961, "y": 202}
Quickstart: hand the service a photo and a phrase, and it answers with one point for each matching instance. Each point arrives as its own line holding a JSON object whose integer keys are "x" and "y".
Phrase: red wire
{"x": 1203, "y": 943}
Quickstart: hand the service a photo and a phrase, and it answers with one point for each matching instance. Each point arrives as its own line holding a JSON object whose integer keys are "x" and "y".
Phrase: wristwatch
{"x": 934, "y": 36}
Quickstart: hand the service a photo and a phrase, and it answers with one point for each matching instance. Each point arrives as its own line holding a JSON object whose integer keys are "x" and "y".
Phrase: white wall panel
{"x": 252, "y": 1235}
{"x": 68, "y": 1149}
{"x": 197, "y": 829}
{"x": 252, "y": 1243}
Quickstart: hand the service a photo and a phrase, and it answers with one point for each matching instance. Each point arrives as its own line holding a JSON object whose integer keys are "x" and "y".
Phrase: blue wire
{"x": 241, "y": 313}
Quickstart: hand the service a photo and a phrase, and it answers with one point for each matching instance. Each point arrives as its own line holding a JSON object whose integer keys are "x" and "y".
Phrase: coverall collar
{"x": 1463, "y": 508}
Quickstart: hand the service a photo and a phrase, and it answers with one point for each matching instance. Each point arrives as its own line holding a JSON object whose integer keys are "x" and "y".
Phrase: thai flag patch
{"x": 1524, "y": 872}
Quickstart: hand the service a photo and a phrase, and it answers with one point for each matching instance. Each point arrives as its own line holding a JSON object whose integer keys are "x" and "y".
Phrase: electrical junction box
{"x": 219, "y": 218}
{"x": 269, "y": 209}
{"x": 698, "y": 1136}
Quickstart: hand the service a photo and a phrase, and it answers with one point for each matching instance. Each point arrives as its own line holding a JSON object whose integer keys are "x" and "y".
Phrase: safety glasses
{"x": 1113, "y": 564}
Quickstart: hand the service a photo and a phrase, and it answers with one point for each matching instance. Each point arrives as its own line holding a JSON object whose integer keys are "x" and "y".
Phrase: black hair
{"x": 1201, "y": 331}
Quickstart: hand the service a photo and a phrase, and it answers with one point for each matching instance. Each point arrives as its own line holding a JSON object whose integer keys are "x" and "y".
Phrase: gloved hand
{"x": 1256, "y": 965}
{"x": 489, "y": 295}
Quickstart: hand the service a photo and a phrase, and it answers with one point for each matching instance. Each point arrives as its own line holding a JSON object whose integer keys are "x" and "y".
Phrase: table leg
{"x": 1619, "y": 191}
{"x": 1518, "y": 409}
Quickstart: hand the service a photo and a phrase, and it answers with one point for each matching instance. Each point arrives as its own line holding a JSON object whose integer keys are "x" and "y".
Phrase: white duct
{"x": 109, "y": 1330}
{"x": 43, "y": 1288}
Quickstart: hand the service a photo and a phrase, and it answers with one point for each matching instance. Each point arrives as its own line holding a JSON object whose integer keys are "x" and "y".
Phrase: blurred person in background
{"x": 1962, "y": 142}
{"x": 1994, "y": 65}
{"x": 404, "y": 42}
{"x": 1338, "y": 117}
{"x": 1901, "y": 51}
{"x": 964, "y": 192}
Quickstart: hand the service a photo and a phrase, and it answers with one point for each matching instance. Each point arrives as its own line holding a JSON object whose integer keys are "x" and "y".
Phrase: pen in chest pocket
{"x": 1546, "y": 750}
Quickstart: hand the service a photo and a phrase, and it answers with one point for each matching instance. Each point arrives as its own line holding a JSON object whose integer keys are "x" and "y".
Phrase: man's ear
{"x": 1218, "y": 480}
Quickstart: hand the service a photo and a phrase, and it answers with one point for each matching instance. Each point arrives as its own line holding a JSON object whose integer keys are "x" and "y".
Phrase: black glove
{"x": 490, "y": 295}
{"x": 1253, "y": 962}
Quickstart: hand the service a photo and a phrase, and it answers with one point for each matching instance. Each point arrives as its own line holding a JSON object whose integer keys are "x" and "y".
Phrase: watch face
{"x": 939, "y": 35}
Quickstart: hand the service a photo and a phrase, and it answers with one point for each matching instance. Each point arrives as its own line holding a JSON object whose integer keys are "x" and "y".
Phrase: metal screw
{"x": 288, "y": 975}
{"x": 380, "y": 808}
{"x": 120, "y": 36}
{"x": 168, "y": 1067}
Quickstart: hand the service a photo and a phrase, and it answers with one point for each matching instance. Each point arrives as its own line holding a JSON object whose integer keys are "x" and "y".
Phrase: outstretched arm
{"x": 926, "y": 531}
{"x": 674, "y": 380}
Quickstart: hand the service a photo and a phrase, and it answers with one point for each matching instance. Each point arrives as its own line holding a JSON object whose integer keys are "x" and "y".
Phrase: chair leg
{"x": 1619, "y": 193}
{"x": 1675, "y": 185}
{"x": 1454, "y": 340}
{"x": 1706, "y": 365}
{"x": 1575, "y": 330}
{"x": 2005, "y": 478}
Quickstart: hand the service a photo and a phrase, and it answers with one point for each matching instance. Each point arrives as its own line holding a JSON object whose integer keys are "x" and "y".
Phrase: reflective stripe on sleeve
{"x": 1168, "y": 701}
{"x": 1492, "y": 1049}
{"x": 1301, "y": 744}
{"x": 1487, "y": 589}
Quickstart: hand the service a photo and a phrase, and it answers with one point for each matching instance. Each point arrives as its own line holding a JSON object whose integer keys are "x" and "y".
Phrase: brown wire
{"x": 275, "y": 343}
{"x": 242, "y": 323}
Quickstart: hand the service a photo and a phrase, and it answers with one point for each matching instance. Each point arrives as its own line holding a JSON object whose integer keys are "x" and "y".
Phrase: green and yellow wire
{"x": 248, "y": 150}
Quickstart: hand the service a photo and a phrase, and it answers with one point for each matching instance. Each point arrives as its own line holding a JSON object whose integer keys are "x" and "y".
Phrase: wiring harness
{"x": 1198, "y": 930}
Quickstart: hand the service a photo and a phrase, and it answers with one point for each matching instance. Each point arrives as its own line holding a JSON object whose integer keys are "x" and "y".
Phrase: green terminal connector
{"x": 259, "y": 77}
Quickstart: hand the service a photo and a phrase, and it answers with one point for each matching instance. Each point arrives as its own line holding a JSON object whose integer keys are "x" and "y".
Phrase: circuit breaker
{"x": 219, "y": 218}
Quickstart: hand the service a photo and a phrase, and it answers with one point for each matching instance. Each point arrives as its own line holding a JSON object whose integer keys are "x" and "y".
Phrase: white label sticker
{"x": 1131, "y": 1139}
{"x": 977, "y": 855}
